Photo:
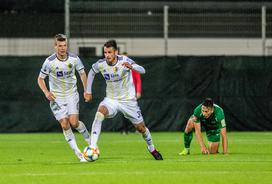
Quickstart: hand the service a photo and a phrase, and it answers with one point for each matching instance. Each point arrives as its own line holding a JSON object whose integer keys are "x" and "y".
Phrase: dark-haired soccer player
{"x": 212, "y": 118}
{"x": 120, "y": 94}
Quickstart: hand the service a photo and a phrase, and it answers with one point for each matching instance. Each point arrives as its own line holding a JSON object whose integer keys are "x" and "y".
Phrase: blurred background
{"x": 190, "y": 49}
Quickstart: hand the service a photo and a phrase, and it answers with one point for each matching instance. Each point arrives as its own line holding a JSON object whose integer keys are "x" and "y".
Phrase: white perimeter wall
{"x": 141, "y": 47}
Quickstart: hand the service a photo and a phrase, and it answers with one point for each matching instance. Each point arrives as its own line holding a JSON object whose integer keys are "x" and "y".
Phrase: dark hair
{"x": 208, "y": 102}
{"x": 111, "y": 43}
{"x": 60, "y": 37}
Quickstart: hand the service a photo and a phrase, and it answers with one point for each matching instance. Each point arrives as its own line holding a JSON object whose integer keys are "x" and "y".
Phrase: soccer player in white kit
{"x": 63, "y": 95}
{"x": 120, "y": 94}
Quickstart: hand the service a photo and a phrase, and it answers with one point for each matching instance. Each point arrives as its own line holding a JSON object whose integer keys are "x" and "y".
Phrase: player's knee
{"x": 189, "y": 126}
{"x": 75, "y": 124}
{"x": 141, "y": 128}
{"x": 102, "y": 109}
{"x": 65, "y": 125}
{"x": 99, "y": 116}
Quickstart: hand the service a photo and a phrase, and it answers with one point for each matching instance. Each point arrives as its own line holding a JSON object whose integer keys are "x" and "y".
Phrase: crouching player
{"x": 211, "y": 117}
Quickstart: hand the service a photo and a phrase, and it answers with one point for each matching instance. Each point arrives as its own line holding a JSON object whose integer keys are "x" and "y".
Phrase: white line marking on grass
{"x": 182, "y": 172}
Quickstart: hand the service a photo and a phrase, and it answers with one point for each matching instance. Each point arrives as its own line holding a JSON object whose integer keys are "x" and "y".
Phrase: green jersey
{"x": 214, "y": 123}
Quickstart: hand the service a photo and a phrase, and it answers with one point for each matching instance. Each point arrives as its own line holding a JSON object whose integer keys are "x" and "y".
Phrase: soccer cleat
{"x": 156, "y": 155}
{"x": 81, "y": 157}
{"x": 83, "y": 160}
{"x": 185, "y": 151}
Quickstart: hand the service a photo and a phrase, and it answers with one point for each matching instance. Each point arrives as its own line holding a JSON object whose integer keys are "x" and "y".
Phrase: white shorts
{"x": 130, "y": 109}
{"x": 63, "y": 107}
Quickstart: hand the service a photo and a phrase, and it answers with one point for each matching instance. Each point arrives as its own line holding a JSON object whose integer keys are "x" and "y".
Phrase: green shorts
{"x": 213, "y": 137}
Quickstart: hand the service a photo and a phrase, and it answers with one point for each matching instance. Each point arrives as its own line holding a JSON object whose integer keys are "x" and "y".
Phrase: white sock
{"x": 96, "y": 128}
{"x": 84, "y": 132}
{"x": 148, "y": 139}
{"x": 70, "y": 138}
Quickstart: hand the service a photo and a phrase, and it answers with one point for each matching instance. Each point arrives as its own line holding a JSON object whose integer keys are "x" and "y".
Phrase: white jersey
{"x": 62, "y": 78}
{"x": 118, "y": 78}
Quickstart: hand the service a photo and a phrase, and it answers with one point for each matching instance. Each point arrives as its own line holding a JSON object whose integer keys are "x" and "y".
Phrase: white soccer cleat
{"x": 81, "y": 157}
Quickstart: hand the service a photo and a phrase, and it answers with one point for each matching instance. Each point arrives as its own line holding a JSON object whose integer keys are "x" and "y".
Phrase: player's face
{"x": 61, "y": 48}
{"x": 110, "y": 54}
{"x": 206, "y": 111}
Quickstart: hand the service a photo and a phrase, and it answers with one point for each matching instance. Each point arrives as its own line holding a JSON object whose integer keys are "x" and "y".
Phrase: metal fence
{"x": 186, "y": 19}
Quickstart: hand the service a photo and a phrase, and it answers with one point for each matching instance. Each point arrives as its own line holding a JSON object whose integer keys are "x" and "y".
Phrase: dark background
{"x": 172, "y": 88}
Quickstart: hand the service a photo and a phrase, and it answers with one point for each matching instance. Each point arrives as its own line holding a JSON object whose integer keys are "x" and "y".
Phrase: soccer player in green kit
{"x": 211, "y": 117}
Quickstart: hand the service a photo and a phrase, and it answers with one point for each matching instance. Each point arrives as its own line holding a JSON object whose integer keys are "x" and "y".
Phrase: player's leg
{"x": 188, "y": 136}
{"x": 60, "y": 111}
{"x": 73, "y": 111}
{"x": 70, "y": 137}
{"x": 97, "y": 124}
{"x": 132, "y": 111}
{"x": 141, "y": 128}
{"x": 80, "y": 127}
{"x": 107, "y": 109}
{"x": 213, "y": 147}
{"x": 213, "y": 142}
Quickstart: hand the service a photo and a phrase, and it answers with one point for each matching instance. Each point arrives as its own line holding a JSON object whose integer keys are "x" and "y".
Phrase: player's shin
{"x": 84, "y": 132}
{"x": 96, "y": 128}
{"x": 70, "y": 138}
{"x": 188, "y": 139}
{"x": 148, "y": 139}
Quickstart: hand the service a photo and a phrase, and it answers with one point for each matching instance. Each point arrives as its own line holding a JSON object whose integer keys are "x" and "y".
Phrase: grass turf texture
{"x": 47, "y": 158}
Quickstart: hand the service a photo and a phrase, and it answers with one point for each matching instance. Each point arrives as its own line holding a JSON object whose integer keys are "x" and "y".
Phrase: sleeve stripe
{"x": 44, "y": 73}
{"x": 81, "y": 69}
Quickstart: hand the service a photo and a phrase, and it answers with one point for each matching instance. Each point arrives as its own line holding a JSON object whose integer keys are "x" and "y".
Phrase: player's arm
{"x": 43, "y": 74}
{"x": 199, "y": 137}
{"x": 135, "y": 67}
{"x": 88, "y": 95}
{"x": 223, "y": 130}
{"x": 83, "y": 78}
{"x": 224, "y": 140}
{"x": 130, "y": 64}
{"x": 50, "y": 96}
{"x": 81, "y": 72}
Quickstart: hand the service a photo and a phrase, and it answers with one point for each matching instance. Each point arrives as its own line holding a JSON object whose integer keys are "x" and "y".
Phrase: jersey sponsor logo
{"x": 107, "y": 76}
{"x": 67, "y": 72}
{"x": 59, "y": 73}
{"x": 64, "y": 73}
{"x": 114, "y": 75}
{"x": 213, "y": 122}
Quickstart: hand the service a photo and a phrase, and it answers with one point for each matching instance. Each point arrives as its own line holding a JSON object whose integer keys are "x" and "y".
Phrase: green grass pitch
{"x": 46, "y": 158}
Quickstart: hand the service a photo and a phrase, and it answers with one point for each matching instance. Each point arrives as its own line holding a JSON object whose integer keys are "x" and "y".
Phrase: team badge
{"x": 115, "y": 69}
{"x": 70, "y": 65}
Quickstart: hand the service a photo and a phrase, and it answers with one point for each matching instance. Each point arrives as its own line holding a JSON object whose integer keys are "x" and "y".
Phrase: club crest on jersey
{"x": 59, "y": 73}
{"x": 115, "y": 69}
{"x": 70, "y": 65}
{"x": 107, "y": 76}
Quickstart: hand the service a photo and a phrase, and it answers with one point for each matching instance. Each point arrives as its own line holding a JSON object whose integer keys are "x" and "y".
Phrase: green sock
{"x": 187, "y": 139}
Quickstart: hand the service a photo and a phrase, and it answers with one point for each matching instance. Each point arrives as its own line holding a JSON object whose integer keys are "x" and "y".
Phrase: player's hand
{"x": 88, "y": 97}
{"x": 50, "y": 96}
{"x": 126, "y": 64}
{"x": 204, "y": 150}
